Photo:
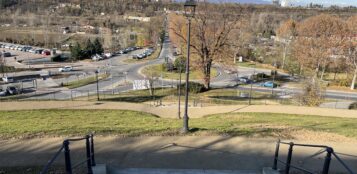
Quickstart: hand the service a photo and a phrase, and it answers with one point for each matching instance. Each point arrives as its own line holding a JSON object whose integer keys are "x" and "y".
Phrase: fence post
{"x": 288, "y": 160}
{"x": 88, "y": 96}
{"x": 71, "y": 96}
{"x": 92, "y": 149}
{"x": 67, "y": 157}
{"x": 327, "y": 162}
{"x": 89, "y": 159}
{"x": 275, "y": 165}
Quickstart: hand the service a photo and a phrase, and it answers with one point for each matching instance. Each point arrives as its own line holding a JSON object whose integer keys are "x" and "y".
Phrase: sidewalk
{"x": 178, "y": 152}
{"x": 171, "y": 111}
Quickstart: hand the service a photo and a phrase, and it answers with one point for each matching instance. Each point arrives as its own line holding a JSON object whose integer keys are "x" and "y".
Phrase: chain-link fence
{"x": 168, "y": 96}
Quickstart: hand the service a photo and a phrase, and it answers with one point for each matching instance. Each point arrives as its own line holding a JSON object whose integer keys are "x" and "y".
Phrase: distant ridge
{"x": 240, "y": 1}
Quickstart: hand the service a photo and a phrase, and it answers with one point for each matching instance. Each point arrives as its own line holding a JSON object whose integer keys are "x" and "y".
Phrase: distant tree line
{"x": 7, "y": 3}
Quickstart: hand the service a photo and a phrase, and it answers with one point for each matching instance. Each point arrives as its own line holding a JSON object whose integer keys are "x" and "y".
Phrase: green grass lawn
{"x": 118, "y": 122}
{"x": 157, "y": 69}
{"x": 86, "y": 81}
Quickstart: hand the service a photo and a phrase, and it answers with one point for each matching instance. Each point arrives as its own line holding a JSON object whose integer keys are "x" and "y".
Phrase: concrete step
{"x": 178, "y": 171}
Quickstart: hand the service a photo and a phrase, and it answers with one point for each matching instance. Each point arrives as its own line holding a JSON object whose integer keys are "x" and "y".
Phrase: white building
{"x": 286, "y": 3}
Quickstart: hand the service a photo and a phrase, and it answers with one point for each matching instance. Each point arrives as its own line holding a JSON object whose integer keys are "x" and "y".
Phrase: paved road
{"x": 117, "y": 67}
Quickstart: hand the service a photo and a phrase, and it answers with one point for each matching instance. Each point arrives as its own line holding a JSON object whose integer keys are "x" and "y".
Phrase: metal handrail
{"x": 329, "y": 153}
{"x": 68, "y": 165}
{"x": 49, "y": 163}
{"x": 342, "y": 163}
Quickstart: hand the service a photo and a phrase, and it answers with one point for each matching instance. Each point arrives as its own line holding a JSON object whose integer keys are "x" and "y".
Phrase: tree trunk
{"x": 284, "y": 58}
{"x": 354, "y": 79}
{"x": 301, "y": 69}
{"x": 207, "y": 75}
{"x": 323, "y": 73}
{"x": 317, "y": 70}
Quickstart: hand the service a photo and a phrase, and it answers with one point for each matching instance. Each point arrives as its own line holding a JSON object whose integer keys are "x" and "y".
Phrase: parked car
{"x": 65, "y": 69}
{"x": 46, "y": 52}
{"x": 97, "y": 57}
{"x": 269, "y": 84}
{"x": 38, "y": 51}
{"x": 28, "y": 49}
{"x": 108, "y": 55}
{"x": 32, "y": 50}
{"x": 8, "y": 79}
{"x": 12, "y": 90}
{"x": 244, "y": 79}
{"x": 6, "y": 54}
{"x": 141, "y": 56}
{"x": 3, "y": 93}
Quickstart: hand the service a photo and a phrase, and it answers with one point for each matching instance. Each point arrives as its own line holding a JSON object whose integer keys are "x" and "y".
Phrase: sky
{"x": 326, "y": 2}
{"x": 298, "y": 2}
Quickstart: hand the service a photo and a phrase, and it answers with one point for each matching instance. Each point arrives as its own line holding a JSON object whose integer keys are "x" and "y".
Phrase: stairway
{"x": 102, "y": 169}
{"x": 178, "y": 171}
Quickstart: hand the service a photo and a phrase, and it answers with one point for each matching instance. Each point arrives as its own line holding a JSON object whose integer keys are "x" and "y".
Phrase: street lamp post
{"x": 251, "y": 88}
{"x": 190, "y": 8}
{"x": 96, "y": 76}
{"x": 179, "y": 90}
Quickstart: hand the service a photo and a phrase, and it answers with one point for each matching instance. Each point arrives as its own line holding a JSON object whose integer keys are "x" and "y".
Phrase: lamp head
{"x": 190, "y": 8}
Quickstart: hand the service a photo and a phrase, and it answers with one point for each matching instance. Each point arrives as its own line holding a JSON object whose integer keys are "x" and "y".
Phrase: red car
{"x": 46, "y": 53}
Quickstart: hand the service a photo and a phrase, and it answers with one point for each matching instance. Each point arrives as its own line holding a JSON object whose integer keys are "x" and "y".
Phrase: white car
{"x": 108, "y": 55}
{"x": 2, "y": 92}
{"x": 8, "y": 79}
{"x": 97, "y": 57}
{"x": 65, "y": 69}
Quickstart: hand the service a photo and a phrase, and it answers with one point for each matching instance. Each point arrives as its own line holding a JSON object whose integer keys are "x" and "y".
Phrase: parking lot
{"x": 15, "y": 57}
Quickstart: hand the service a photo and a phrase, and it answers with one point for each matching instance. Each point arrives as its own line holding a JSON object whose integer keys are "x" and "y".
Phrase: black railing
{"x": 67, "y": 155}
{"x": 327, "y": 161}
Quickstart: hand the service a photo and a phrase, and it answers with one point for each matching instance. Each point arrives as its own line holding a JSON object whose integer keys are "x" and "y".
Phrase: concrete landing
{"x": 178, "y": 171}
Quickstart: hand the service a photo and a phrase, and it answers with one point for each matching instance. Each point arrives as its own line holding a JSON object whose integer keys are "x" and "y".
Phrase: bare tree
{"x": 317, "y": 38}
{"x": 211, "y": 40}
{"x": 286, "y": 32}
{"x": 352, "y": 48}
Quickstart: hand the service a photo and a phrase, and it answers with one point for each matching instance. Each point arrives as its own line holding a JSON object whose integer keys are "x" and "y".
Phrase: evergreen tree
{"x": 98, "y": 46}
{"x": 76, "y": 52}
{"x": 90, "y": 49}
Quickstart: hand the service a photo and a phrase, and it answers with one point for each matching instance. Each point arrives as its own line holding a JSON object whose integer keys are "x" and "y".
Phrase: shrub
{"x": 167, "y": 66}
{"x": 56, "y": 58}
{"x": 353, "y": 106}
{"x": 259, "y": 76}
{"x": 312, "y": 93}
{"x": 194, "y": 87}
{"x": 180, "y": 62}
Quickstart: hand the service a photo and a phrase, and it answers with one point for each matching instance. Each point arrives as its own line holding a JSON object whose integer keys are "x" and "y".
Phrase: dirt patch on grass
{"x": 307, "y": 135}
{"x": 295, "y": 133}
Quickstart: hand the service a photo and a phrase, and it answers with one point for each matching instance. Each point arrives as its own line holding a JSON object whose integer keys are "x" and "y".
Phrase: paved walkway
{"x": 170, "y": 111}
{"x": 178, "y": 152}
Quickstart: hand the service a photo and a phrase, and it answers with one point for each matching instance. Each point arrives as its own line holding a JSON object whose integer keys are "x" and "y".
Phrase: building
{"x": 276, "y": 2}
{"x": 286, "y": 3}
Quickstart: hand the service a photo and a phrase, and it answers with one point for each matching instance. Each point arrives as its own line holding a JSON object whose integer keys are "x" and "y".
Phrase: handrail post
{"x": 327, "y": 162}
{"x": 89, "y": 160}
{"x": 67, "y": 157}
{"x": 92, "y": 150}
{"x": 275, "y": 165}
{"x": 288, "y": 160}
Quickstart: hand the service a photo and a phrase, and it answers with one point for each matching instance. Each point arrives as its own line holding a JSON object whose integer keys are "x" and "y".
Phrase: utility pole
{"x": 251, "y": 89}
{"x": 96, "y": 75}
